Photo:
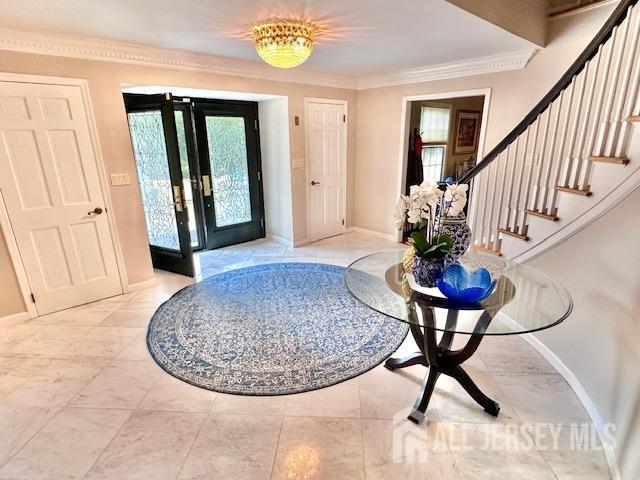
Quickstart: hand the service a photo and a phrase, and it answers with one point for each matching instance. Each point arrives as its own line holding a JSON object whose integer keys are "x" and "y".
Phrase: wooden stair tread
{"x": 618, "y": 160}
{"x": 521, "y": 236}
{"x": 577, "y": 191}
{"x": 633, "y": 118}
{"x": 480, "y": 248}
{"x": 546, "y": 216}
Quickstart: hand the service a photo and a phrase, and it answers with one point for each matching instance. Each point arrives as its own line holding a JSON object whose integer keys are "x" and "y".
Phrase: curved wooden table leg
{"x": 417, "y": 358}
{"x": 490, "y": 406}
{"x": 429, "y": 383}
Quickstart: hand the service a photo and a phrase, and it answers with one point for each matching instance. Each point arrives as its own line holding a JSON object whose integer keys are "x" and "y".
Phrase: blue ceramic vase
{"x": 457, "y": 228}
{"x": 427, "y": 271}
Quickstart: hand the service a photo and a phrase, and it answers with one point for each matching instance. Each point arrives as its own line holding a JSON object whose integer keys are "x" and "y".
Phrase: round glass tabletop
{"x": 524, "y": 300}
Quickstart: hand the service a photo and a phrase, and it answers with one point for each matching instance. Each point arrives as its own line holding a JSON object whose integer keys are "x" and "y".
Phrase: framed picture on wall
{"x": 467, "y": 130}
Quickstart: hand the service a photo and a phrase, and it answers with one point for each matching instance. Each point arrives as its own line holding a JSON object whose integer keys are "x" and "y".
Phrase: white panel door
{"x": 326, "y": 151}
{"x": 50, "y": 186}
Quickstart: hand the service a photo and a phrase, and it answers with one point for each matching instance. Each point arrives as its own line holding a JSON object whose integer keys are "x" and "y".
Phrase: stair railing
{"x": 585, "y": 118}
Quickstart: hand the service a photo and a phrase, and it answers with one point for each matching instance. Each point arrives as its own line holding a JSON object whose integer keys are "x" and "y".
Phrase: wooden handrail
{"x": 616, "y": 18}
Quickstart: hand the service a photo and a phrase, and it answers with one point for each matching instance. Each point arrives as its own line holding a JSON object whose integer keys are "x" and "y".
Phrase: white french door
{"x": 325, "y": 122}
{"x": 52, "y": 193}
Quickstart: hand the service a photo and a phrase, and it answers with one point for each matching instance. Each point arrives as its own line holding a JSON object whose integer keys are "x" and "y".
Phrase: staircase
{"x": 573, "y": 155}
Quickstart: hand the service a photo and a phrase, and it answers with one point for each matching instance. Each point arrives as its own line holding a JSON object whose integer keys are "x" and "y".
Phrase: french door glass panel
{"x": 226, "y": 139}
{"x": 186, "y": 177}
{"x": 149, "y": 148}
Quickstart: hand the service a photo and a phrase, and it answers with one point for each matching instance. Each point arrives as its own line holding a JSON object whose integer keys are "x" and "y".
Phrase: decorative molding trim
{"x": 584, "y": 398}
{"x": 385, "y": 236}
{"x": 281, "y": 240}
{"x": 134, "y": 287}
{"x": 15, "y": 318}
{"x": 477, "y": 66}
{"x": 121, "y": 52}
{"x": 134, "y": 54}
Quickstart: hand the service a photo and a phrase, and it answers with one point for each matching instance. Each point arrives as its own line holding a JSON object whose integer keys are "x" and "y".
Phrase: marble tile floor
{"x": 80, "y": 398}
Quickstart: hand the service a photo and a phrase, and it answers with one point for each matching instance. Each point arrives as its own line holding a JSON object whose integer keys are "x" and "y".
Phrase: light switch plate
{"x": 297, "y": 162}
{"x": 118, "y": 179}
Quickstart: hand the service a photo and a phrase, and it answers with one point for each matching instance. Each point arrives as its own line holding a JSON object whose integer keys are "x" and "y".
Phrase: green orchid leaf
{"x": 435, "y": 247}
{"x": 420, "y": 242}
{"x": 445, "y": 242}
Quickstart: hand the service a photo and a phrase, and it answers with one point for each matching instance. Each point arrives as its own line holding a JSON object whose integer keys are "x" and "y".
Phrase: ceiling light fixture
{"x": 284, "y": 43}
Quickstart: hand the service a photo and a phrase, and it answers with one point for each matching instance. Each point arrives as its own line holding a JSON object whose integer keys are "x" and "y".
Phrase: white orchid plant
{"x": 425, "y": 208}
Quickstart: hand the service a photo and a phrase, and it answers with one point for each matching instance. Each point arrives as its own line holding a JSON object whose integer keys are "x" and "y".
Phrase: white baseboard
{"x": 385, "y": 236}
{"x": 282, "y": 241}
{"x": 300, "y": 243}
{"x": 15, "y": 318}
{"x": 134, "y": 287}
{"x": 584, "y": 398}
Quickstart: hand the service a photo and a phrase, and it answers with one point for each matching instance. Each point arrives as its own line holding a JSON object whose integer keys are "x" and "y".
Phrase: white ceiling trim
{"x": 477, "y": 66}
{"x": 120, "y": 52}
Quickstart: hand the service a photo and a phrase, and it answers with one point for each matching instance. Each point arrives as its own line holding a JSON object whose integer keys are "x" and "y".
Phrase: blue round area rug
{"x": 271, "y": 329}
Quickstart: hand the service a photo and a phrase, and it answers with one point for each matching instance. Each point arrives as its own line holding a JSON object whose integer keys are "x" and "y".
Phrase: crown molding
{"x": 133, "y": 54}
{"x": 477, "y": 66}
{"x": 120, "y": 52}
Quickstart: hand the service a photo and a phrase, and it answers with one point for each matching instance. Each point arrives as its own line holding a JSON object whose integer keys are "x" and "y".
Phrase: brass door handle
{"x": 313, "y": 182}
{"x": 95, "y": 211}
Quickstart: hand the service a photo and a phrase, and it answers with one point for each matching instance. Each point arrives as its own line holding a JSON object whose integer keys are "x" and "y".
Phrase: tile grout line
{"x": 195, "y": 437}
{"x": 275, "y": 455}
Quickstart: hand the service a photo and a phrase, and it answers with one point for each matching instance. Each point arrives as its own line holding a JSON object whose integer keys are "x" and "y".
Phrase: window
{"x": 434, "y": 130}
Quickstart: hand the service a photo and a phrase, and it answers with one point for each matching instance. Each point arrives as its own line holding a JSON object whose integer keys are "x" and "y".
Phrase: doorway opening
{"x": 199, "y": 170}
{"x": 442, "y": 136}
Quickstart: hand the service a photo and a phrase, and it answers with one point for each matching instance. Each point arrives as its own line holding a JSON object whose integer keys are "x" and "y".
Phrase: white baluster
{"x": 619, "y": 42}
{"x": 576, "y": 122}
{"x": 512, "y": 183}
{"x": 480, "y": 200}
{"x": 631, "y": 99}
{"x": 490, "y": 201}
{"x": 559, "y": 153}
{"x": 495, "y": 174}
{"x": 529, "y": 182}
{"x": 517, "y": 210}
{"x": 608, "y": 48}
{"x": 542, "y": 158}
{"x": 552, "y": 150}
{"x": 581, "y": 154}
{"x": 630, "y": 52}
{"x": 503, "y": 187}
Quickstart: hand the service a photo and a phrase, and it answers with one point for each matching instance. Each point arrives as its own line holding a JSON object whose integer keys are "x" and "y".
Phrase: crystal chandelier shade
{"x": 284, "y": 43}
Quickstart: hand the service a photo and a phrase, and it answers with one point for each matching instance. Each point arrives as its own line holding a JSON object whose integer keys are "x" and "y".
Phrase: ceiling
{"x": 358, "y": 38}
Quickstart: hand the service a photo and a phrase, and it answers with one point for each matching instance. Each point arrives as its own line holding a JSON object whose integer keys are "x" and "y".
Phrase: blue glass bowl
{"x": 458, "y": 284}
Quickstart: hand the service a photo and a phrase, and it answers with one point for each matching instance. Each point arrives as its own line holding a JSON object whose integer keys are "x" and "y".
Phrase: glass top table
{"x": 524, "y": 300}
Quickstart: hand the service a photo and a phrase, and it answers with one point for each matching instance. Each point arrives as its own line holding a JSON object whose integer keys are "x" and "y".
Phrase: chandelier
{"x": 284, "y": 43}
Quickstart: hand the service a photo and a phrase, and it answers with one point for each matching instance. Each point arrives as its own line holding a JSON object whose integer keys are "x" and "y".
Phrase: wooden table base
{"x": 440, "y": 359}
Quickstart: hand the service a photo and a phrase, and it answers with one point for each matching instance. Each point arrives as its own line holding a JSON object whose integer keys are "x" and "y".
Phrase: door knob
{"x": 95, "y": 211}
{"x": 313, "y": 182}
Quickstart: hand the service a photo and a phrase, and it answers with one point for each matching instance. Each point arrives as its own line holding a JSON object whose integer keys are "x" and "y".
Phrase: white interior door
{"x": 326, "y": 152}
{"x": 50, "y": 186}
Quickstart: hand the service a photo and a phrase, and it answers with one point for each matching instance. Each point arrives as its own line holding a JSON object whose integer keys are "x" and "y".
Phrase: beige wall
{"x": 600, "y": 341}
{"x": 276, "y": 167}
{"x": 513, "y": 95}
{"x": 105, "y": 81}
{"x": 456, "y": 105}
